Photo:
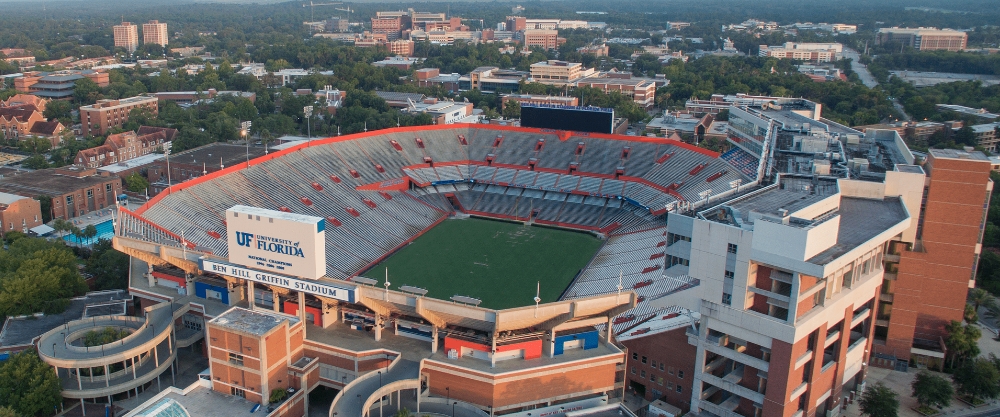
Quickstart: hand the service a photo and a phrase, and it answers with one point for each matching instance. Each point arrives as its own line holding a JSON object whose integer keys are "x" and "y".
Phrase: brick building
{"x": 642, "y": 91}
{"x": 538, "y": 99}
{"x": 543, "y": 38}
{"x": 392, "y": 26}
{"x": 252, "y": 352}
{"x": 927, "y": 281}
{"x": 924, "y": 39}
{"x": 59, "y": 84}
{"x": 75, "y": 191}
{"x": 126, "y": 36}
{"x": 155, "y": 33}
{"x": 124, "y": 146}
{"x": 660, "y": 361}
{"x": 18, "y": 213}
{"x": 98, "y": 118}
{"x": 813, "y": 52}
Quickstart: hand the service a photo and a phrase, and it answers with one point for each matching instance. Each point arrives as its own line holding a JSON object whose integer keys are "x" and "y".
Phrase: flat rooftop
{"x": 958, "y": 154}
{"x": 198, "y": 401}
{"x": 210, "y": 154}
{"x": 792, "y": 194}
{"x": 21, "y": 331}
{"x": 862, "y": 219}
{"x": 255, "y": 322}
{"x": 48, "y": 182}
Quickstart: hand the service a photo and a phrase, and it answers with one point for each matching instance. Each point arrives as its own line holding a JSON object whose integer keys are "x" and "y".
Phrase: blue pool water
{"x": 105, "y": 230}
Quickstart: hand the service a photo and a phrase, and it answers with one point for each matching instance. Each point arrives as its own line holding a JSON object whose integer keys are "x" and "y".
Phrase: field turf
{"x": 494, "y": 261}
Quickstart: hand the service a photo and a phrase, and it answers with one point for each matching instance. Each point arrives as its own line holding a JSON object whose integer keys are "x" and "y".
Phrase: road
{"x": 859, "y": 68}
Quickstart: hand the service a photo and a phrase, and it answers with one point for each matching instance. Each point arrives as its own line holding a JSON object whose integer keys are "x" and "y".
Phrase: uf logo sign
{"x": 243, "y": 238}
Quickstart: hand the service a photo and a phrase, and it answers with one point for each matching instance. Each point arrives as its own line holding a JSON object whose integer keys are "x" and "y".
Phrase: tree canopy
{"x": 37, "y": 275}
{"x": 879, "y": 400}
{"x": 30, "y": 386}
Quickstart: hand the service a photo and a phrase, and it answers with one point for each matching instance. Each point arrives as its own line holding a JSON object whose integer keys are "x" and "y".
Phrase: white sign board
{"x": 276, "y": 241}
{"x": 343, "y": 293}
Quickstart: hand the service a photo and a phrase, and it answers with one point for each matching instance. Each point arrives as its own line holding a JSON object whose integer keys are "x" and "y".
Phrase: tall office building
{"x": 924, "y": 39}
{"x": 126, "y": 36}
{"x": 927, "y": 287}
{"x": 154, "y": 32}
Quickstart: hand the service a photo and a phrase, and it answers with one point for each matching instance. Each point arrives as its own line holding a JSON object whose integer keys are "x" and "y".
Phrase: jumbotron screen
{"x": 577, "y": 119}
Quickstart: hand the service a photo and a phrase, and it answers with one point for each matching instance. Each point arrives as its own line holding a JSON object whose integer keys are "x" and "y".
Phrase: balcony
{"x": 737, "y": 356}
{"x": 731, "y": 387}
{"x": 889, "y": 257}
{"x": 891, "y": 276}
{"x": 886, "y": 297}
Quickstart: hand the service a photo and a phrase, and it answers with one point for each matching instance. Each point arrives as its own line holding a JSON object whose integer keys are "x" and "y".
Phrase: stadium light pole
{"x": 538, "y": 290}
{"x": 244, "y": 131}
{"x": 308, "y": 112}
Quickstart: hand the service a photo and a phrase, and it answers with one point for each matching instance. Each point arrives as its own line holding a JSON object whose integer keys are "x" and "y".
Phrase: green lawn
{"x": 497, "y": 262}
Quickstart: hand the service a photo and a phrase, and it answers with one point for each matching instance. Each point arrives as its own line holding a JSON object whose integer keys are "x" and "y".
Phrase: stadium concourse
{"x": 377, "y": 192}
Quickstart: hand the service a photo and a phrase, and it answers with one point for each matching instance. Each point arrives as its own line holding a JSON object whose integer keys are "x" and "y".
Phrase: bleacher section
{"x": 616, "y": 186}
{"x": 743, "y": 161}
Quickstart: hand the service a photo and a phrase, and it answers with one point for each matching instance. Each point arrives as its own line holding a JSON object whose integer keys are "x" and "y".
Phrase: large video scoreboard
{"x": 578, "y": 119}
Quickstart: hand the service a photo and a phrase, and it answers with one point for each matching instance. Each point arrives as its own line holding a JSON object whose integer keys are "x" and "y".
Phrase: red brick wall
{"x": 931, "y": 286}
{"x": 22, "y": 214}
{"x": 673, "y": 351}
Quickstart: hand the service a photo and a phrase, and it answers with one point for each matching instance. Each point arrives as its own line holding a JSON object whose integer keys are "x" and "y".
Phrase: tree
{"x": 962, "y": 341}
{"x": 979, "y": 297}
{"x": 30, "y": 386}
{"x": 970, "y": 314}
{"x": 46, "y": 206}
{"x": 108, "y": 266}
{"x": 35, "y": 145}
{"x": 512, "y": 110}
{"x": 136, "y": 183}
{"x": 879, "y": 401}
{"x": 978, "y": 379}
{"x": 7, "y": 412}
{"x": 59, "y": 109}
{"x": 932, "y": 390}
{"x": 35, "y": 162}
{"x": 88, "y": 232}
{"x": 62, "y": 225}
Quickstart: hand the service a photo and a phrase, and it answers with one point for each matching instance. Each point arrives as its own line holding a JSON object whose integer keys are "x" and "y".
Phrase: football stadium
{"x": 473, "y": 264}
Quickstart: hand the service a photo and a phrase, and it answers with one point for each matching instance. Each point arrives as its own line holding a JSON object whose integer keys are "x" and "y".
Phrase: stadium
{"x": 511, "y": 248}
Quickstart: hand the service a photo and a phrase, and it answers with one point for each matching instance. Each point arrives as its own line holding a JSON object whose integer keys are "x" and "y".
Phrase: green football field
{"x": 497, "y": 262}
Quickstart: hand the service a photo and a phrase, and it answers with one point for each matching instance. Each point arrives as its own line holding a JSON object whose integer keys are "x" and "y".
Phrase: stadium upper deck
{"x": 379, "y": 190}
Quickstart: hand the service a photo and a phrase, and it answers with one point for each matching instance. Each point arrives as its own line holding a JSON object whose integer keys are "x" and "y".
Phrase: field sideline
{"x": 494, "y": 261}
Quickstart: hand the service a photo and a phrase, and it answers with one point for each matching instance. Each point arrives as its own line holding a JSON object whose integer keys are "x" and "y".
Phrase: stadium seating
{"x": 339, "y": 178}
{"x": 742, "y": 160}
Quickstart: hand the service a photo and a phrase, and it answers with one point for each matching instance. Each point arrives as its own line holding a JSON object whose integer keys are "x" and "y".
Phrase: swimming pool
{"x": 105, "y": 230}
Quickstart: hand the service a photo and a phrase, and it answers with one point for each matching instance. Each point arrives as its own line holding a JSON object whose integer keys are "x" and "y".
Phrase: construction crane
{"x": 312, "y": 8}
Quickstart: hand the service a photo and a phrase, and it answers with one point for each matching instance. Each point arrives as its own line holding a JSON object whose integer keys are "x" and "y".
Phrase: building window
{"x": 236, "y": 359}
{"x": 643, "y": 359}
{"x": 661, "y": 366}
{"x": 642, "y": 373}
{"x": 659, "y": 381}
{"x": 670, "y": 370}
{"x": 727, "y": 299}
{"x": 237, "y": 392}
{"x": 635, "y": 356}
{"x": 731, "y": 248}
{"x": 730, "y": 275}
{"x": 680, "y": 374}
{"x": 633, "y": 370}
{"x": 653, "y": 364}
{"x": 680, "y": 390}
{"x": 652, "y": 378}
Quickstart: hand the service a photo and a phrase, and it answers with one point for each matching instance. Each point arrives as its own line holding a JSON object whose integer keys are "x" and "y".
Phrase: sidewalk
{"x": 900, "y": 382}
